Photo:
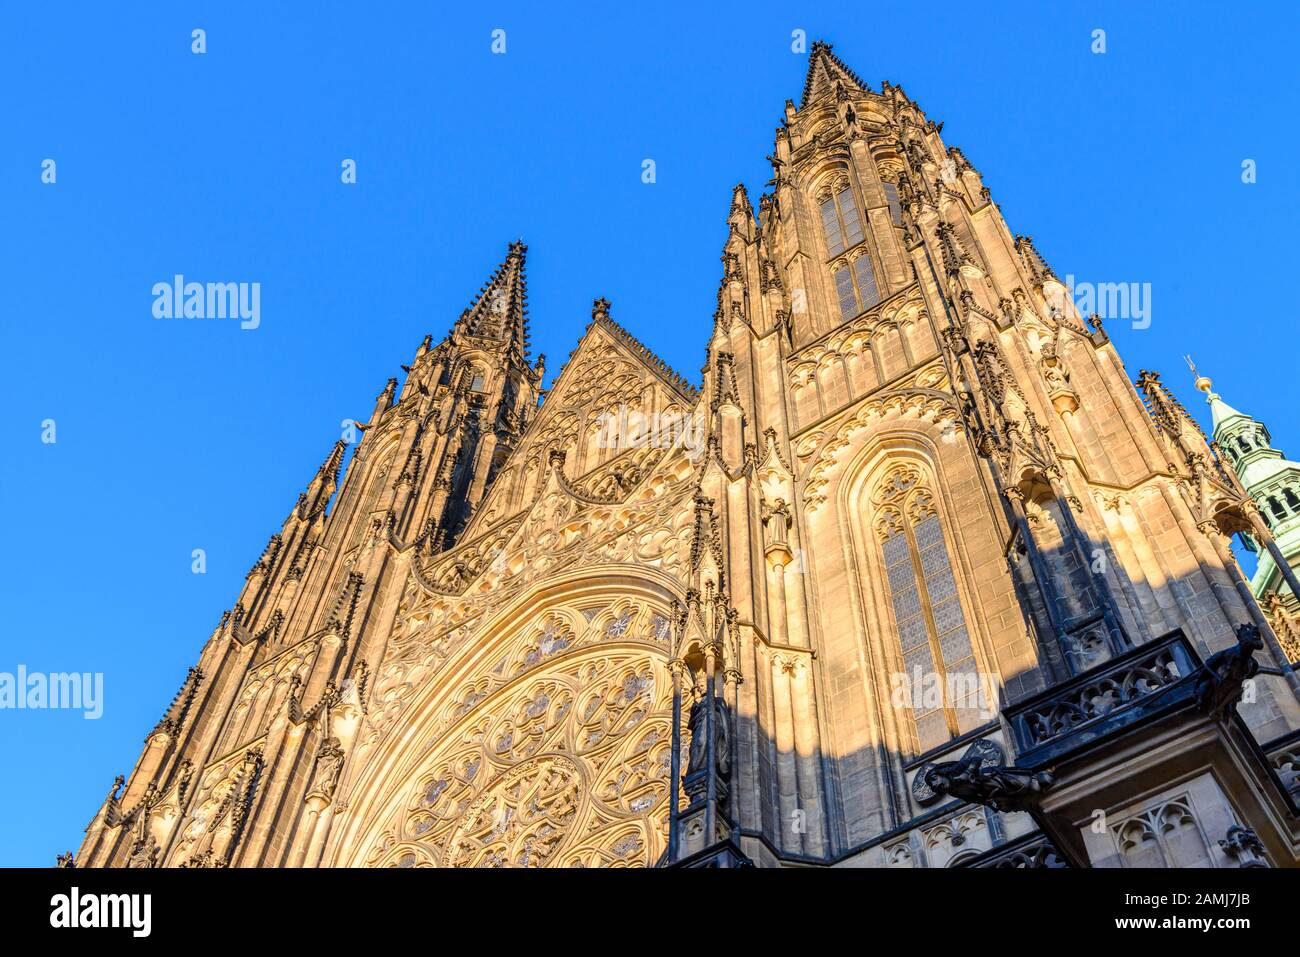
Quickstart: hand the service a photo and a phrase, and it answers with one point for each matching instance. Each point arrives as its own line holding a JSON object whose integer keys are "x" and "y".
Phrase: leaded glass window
{"x": 895, "y": 207}
{"x": 841, "y": 222}
{"x": 934, "y": 644}
{"x": 865, "y": 278}
{"x": 847, "y": 295}
{"x": 618, "y": 627}
{"x": 855, "y": 287}
{"x": 849, "y": 214}
{"x": 831, "y": 226}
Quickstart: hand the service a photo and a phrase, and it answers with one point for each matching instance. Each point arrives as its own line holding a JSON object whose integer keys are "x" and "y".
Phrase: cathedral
{"x": 918, "y": 576}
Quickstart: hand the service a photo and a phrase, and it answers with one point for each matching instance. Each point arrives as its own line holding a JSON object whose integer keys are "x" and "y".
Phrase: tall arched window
{"x": 840, "y": 220}
{"x": 939, "y": 665}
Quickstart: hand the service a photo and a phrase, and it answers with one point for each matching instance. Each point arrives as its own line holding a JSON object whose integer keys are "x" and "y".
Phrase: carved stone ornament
{"x": 1219, "y": 682}
{"x": 990, "y": 755}
{"x": 999, "y": 787}
{"x": 1244, "y": 846}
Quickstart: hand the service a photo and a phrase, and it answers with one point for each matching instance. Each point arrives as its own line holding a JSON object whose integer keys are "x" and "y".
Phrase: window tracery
{"x": 938, "y": 660}
{"x": 1167, "y": 835}
{"x": 565, "y": 763}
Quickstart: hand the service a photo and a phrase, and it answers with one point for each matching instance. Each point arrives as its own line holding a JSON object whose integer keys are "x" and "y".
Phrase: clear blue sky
{"x": 173, "y": 436}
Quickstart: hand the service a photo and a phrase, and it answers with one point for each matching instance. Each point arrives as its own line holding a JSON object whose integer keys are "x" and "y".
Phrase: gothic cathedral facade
{"x": 915, "y": 578}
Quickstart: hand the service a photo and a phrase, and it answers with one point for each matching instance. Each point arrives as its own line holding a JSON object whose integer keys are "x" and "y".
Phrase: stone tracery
{"x": 559, "y": 754}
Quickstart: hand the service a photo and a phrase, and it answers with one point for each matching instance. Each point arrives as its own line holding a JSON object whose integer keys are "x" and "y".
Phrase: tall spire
{"x": 826, "y": 73}
{"x": 500, "y": 311}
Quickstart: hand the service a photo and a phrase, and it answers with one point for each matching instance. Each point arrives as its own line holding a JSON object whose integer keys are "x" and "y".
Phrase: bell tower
{"x": 1272, "y": 483}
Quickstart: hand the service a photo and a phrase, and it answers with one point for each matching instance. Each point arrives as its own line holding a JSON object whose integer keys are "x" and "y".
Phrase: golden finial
{"x": 1202, "y": 382}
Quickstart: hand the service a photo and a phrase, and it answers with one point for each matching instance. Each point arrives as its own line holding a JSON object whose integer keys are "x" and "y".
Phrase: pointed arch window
{"x": 855, "y": 287}
{"x": 840, "y": 220}
{"x": 939, "y": 671}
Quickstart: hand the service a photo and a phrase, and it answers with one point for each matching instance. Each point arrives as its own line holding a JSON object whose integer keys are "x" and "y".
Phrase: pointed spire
{"x": 1039, "y": 271}
{"x": 955, "y": 256}
{"x": 1167, "y": 412}
{"x": 500, "y": 311}
{"x": 827, "y": 74}
{"x": 1248, "y": 445}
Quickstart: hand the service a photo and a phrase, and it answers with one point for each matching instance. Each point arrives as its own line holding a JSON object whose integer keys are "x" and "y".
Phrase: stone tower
{"x": 916, "y": 578}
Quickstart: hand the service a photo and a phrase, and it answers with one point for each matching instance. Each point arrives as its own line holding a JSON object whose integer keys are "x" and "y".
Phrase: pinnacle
{"x": 826, "y": 72}
{"x": 500, "y": 310}
{"x": 330, "y": 467}
{"x": 740, "y": 201}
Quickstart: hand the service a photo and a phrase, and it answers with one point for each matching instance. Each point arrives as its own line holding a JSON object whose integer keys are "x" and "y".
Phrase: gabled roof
{"x": 679, "y": 382}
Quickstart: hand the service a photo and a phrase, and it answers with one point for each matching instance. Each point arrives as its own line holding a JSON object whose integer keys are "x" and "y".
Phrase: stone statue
{"x": 329, "y": 764}
{"x": 144, "y": 852}
{"x": 696, "y": 780}
{"x": 777, "y": 519}
{"x": 1053, "y": 374}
